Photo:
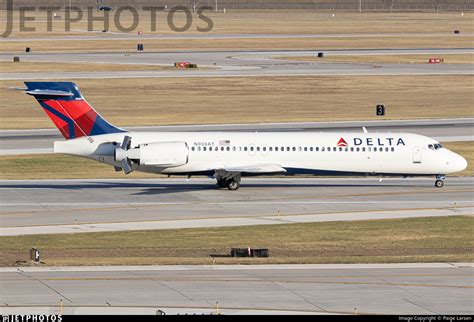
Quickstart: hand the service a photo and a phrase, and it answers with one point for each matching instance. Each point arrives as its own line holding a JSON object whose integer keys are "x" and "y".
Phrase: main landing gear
{"x": 439, "y": 183}
{"x": 230, "y": 183}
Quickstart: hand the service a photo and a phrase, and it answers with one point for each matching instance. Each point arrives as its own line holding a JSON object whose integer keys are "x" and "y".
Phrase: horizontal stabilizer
{"x": 49, "y": 93}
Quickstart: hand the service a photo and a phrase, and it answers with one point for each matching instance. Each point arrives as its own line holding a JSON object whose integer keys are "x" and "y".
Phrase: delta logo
{"x": 341, "y": 142}
{"x": 373, "y": 141}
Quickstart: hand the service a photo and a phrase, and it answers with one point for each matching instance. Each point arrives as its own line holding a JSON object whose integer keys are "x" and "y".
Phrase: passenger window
{"x": 363, "y": 149}
{"x": 352, "y": 149}
{"x": 204, "y": 148}
{"x": 386, "y": 149}
{"x": 340, "y": 149}
{"x": 217, "y": 149}
{"x": 258, "y": 148}
{"x": 192, "y": 148}
{"x": 323, "y": 149}
{"x": 228, "y": 148}
{"x": 251, "y": 148}
{"x": 311, "y": 149}
{"x": 294, "y": 148}
{"x": 357, "y": 149}
{"x": 233, "y": 148}
{"x": 393, "y": 149}
{"x": 346, "y": 149}
{"x": 369, "y": 149}
{"x": 334, "y": 149}
{"x": 270, "y": 149}
{"x": 305, "y": 149}
{"x": 287, "y": 148}
{"x": 375, "y": 149}
{"x": 317, "y": 148}
{"x": 245, "y": 148}
{"x": 276, "y": 149}
{"x": 264, "y": 148}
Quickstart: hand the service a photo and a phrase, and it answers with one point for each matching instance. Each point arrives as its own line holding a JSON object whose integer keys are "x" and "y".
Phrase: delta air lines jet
{"x": 227, "y": 156}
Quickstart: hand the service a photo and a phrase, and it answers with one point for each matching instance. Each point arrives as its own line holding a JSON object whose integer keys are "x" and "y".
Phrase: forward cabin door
{"x": 417, "y": 154}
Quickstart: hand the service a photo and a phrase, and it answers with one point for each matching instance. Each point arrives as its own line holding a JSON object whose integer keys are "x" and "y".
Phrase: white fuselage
{"x": 297, "y": 152}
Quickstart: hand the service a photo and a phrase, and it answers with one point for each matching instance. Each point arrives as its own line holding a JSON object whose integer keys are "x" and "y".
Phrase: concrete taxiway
{"x": 16, "y": 142}
{"x": 266, "y": 289}
{"x": 74, "y": 206}
{"x": 240, "y": 64}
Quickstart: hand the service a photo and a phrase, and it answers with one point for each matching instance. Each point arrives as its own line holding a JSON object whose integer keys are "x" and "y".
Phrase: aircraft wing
{"x": 257, "y": 168}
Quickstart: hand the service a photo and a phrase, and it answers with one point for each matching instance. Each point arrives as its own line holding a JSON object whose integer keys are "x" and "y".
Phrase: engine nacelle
{"x": 163, "y": 154}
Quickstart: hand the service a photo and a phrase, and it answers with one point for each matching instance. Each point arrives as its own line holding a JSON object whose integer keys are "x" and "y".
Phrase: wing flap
{"x": 257, "y": 168}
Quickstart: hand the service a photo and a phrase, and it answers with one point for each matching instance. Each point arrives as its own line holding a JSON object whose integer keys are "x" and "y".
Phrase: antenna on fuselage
{"x": 365, "y": 130}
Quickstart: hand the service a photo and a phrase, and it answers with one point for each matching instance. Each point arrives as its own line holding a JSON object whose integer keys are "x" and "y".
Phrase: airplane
{"x": 229, "y": 156}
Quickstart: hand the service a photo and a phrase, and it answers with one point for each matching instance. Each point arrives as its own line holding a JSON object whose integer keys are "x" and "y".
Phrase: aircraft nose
{"x": 457, "y": 163}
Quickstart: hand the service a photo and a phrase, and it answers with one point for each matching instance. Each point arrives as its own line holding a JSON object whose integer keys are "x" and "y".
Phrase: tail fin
{"x": 68, "y": 110}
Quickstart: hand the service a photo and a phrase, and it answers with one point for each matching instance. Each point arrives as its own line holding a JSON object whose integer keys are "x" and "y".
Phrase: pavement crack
{"x": 48, "y": 286}
{"x": 164, "y": 285}
{"x": 421, "y": 307}
{"x": 397, "y": 286}
{"x": 292, "y": 292}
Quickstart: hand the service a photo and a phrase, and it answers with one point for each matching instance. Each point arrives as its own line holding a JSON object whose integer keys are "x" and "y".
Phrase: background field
{"x": 391, "y": 59}
{"x": 267, "y": 21}
{"x": 165, "y": 101}
{"x": 442, "y": 239}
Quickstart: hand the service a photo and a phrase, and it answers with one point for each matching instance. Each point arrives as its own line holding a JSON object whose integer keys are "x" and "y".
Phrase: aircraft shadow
{"x": 169, "y": 188}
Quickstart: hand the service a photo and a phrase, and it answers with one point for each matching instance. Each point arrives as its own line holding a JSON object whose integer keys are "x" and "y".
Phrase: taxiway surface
{"x": 240, "y": 64}
{"x": 74, "y": 206}
{"x": 266, "y": 289}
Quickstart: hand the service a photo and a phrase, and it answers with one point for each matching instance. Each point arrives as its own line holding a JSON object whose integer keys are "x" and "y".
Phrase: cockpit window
{"x": 436, "y": 146}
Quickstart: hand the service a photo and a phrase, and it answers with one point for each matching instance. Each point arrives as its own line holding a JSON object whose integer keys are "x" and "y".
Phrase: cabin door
{"x": 417, "y": 154}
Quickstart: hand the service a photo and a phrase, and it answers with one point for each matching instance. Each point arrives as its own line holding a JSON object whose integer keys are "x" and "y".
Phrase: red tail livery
{"x": 68, "y": 110}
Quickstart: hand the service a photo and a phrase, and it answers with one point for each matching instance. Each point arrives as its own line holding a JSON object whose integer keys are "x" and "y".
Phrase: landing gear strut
{"x": 439, "y": 183}
{"x": 221, "y": 183}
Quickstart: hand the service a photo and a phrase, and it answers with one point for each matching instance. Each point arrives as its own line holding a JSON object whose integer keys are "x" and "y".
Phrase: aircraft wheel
{"x": 439, "y": 183}
{"x": 233, "y": 184}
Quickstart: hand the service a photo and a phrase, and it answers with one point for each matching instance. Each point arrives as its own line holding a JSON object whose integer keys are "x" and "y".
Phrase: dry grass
{"x": 265, "y": 22}
{"x": 171, "y": 45}
{"x": 278, "y": 21}
{"x": 165, "y": 101}
{"x": 441, "y": 239}
{"x": 466, "y": 149}
{"x": 58, "y": 166}
{"x": 32, "y": 67}
{"x": 392, "y": 59}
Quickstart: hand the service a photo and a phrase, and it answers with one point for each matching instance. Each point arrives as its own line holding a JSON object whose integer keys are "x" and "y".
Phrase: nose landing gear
{"x": 439, "y": 183}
